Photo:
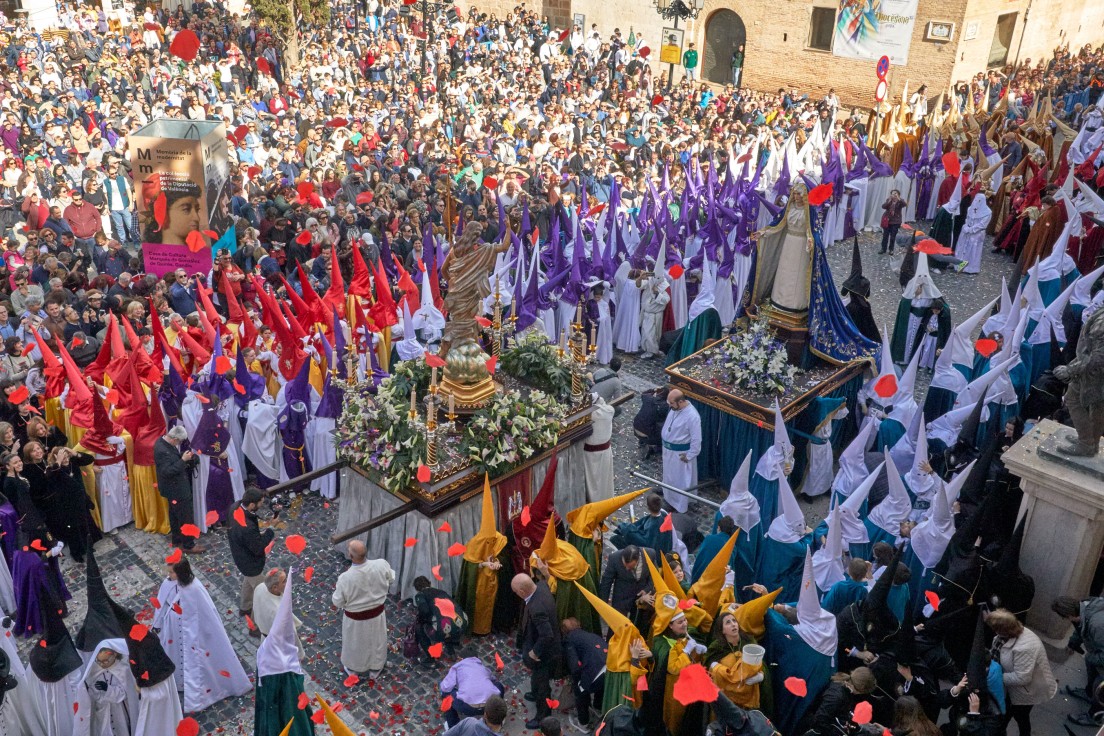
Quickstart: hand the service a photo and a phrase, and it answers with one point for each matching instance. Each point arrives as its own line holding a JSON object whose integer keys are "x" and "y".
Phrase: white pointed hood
{"x": 428, "y": 318}
{"x": 788, "y": 526}
{"x": 929, "y": 538}
{"x": 959, "y": 351}
{"x": 921, "y": 483}
{"x": 954, "y": 203}
{"x": 741, "y": 506}
{"x": 980, "y": 385}
{"x": 1031, "y": 297}
{"x": 904, "y": 450}
{"x": 828, "y": 568}
{"x": 779, "y": 456}
{"x": 408, "y": 348}
{"x": 850, "y": 511}
{"x": 896, "y": 506}
{"x": 279, "y": 652}
{"x": 708, "y": 291}
{"x": 1082, "y": 293}
{"x": 996, "y": 321}
{"x": 1050, "y": 323}
{"x": 815, "y": 626}
{"x": 904, "y": 401}
{"x": 1058, "y": 263}
{"x": 1091, "y": 201}
{"x": 1002, "y": 390}
{"x": 947, "y": 427}
{"x": 852, "y": 462}
{"x": 921, "y": 286}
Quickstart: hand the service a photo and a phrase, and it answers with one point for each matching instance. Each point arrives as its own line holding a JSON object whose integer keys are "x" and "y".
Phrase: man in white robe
{"x": 972, "y": 239}
{"x": 681, "y": 446}
{"x": 653, "y": 301}
{"x": 266, "y": 601}
{"x": 598, "y": 452}
{"x": 111, "y": 690}
{"x": 626, "y": 321}
{"x": 361, "y": 592}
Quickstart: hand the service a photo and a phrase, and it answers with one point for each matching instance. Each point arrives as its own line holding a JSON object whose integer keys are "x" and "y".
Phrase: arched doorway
{"x": 724, "y": 33}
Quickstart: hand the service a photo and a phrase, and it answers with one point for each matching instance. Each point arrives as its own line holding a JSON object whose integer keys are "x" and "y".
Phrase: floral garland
{"x": 756, "y": 360}
{"x": 534, "y": 360}
{"x": 375, "y": 430}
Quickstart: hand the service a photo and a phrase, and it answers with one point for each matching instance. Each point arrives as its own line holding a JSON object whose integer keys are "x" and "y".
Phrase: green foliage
{"x": 512, "y": 429}
{"x": 537, "y": 363}
{"x": 278, "y": 15}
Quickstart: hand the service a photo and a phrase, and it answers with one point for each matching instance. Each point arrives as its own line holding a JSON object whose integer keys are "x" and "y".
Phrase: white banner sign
{"x": 868, "y": 29}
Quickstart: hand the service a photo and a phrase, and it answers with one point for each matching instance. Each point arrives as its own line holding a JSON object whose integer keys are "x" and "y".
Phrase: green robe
{"x": 704, "y": 328}
{"x": 901, "y": 352}
{"x": 588, "y": 550}
{"x": 277, "y": 702}
{"x": 503, "y": 603}
{"x": 570, "y": 602}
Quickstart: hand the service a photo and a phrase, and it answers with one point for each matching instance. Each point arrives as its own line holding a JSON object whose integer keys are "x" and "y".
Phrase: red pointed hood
{"x": 53, "y": 369}
{"x": 79, "y": 399}
{"x": 361, "y": 285}
{"x": 411, "y": 296}
{"x": 528, "y": 537}
{"x": 335, "y": 295}
{"x": 319, "y": 311}
{"x": 384, "y": 310}
{"x": 95, "y": 439}
{"x": 149, "y": 432}
{"x": 132, "y": 397}
{"x": 237, "y": 314}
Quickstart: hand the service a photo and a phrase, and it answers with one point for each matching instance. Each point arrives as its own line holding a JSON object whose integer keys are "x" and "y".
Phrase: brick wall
{"x": 777, "y": 53}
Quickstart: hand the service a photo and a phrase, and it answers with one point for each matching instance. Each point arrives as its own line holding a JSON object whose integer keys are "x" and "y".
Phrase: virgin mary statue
{"x": 791, "y": 277}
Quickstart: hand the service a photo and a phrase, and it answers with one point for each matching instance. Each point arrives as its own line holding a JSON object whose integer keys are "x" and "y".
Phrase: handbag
{"x": 885, "y": 221}
{"x": 410, "y": 648}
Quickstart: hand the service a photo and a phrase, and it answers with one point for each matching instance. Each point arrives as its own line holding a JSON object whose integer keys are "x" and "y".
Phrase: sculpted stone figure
{"x": 467, "y": 268}
{"x": 1085, "y": 396}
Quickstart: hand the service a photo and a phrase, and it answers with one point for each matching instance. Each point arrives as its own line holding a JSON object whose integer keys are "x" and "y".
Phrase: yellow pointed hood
{"x": 751, "y": 614}
{"x": 287, "y": 728}
{"x": 548, "y": 549}
{"x": 708, "y": 588}
{"x": 588, "y": 517}
{"x": 618, "y": 657}
{"x": 563, "y": 560}
{"x": 488, "y": 541}
{"x": 337, "y": 726}
{"x": 669, "y": 577}
{"x": 697, "y": 616}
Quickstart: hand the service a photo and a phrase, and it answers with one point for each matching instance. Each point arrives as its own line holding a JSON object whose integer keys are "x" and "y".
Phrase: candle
{"x": 434, "y": 380}
{"x": 563, "y": 340}
{"x": 579, "y": 314}
{"x": 452, "y": 404}
{"x": 593, "y": 334}
{"x": 413, "y": 401}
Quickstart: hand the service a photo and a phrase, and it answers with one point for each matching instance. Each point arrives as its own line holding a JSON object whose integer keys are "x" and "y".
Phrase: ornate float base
{"x": 791, "y": 328}
{"x": 467, "y": 379}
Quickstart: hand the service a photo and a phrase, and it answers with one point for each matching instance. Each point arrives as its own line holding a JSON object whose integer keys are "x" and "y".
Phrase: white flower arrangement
{"x": 756, "y": 361}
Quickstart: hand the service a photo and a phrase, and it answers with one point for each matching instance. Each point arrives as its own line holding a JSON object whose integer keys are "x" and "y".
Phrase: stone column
{"x": 1064, "y": 505}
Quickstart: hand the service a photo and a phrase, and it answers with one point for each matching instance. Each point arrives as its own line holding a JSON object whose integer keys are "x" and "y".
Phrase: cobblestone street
{"x": 405, "y": 698}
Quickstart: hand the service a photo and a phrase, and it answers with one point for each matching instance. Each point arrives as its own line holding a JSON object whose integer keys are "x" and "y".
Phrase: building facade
{"x": 789, "y": 43}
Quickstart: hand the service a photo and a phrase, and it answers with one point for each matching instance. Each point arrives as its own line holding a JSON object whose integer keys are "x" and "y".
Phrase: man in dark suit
{"x": 625, "y": 579}
{"x": 585, "y": 657}
{"x": 174, "y": 483}
{"x": 538, "y": 641}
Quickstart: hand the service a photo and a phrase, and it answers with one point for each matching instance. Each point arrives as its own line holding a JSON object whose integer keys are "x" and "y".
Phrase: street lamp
{"x": 675, "y": 10}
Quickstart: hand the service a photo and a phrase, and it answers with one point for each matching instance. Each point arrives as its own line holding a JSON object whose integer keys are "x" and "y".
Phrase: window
{"x": 821, "y": 28}
{"x": 1002, "y": 40}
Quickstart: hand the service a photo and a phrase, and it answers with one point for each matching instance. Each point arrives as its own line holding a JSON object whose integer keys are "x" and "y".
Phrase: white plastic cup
{"x": 752, "y": 654}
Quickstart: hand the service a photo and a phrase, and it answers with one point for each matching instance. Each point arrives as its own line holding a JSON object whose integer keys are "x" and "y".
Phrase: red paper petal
{"x": 177, "y": 609}
{"x": 796, "y": 686}
{"x": 446, "y": 607}
{"x": 446, "y": 704}
{"x": 456, "y": 550}
{"x": 190, "y": 530}
{"x": 365, "y": 198}
{"x": 174, "y": 557}
{"x": 437, "y": 572}
{"x": 303, "y": 238}
{"x": 986, "y": 346}
{"x": 210, "y": 234}
{"x": 433, "y": 360}
{"x": 295, "y": 544}
{"x": 160, "y": 210}
{"x": 492, "y": 364}
{"x": 319, "y": 715}
{"x": 21, "y": 394}
{"x": 863, "y": 713}
{"x": 932, "y": 247}
{"x": 410, "y": 542}
{"x": 204, "y": 400}
{"x": 138, "y": 632}
{"x": 76, "y": 707}
{"x": 187, "y": 727}
{"x": 238, "y": 387}
{"x": 225, "y": 673}
{"x": 265, "y": 67}
{"x": 499, "y": 664}
{"x": 668, "y": 524}
{"x": 212, "y": 518}
{"x": 155, "y": 602}
{"x": 222, "y": 365}
{"x": 642, "y": 684}
{"x": 694, "y": 685}
{"x": 483, "y": 321}
{"x": 112, "y": 397}
{"x": 374, "y": 715}
{"x": 951, "y": 164}
{"x": 37, "y": 545}
{"x": 239, "y": 516}
{"x": 657, "y": 100}
{"x": 445, "y": 527}
{"x": 676, "y": 271}
{"x": 933, "y": 599}
{"x": 490, "y": 182}
{"x": 553, "y": 704}
{"x": 304, "y": 701}
{"x": 886, "y": 386}
{"x": 424, "y": 474}
{"x": 249, "y": 623}
{"x": 351, "y": 680}
{"x": 195, "y": 241}
{"x": 434, "y": 650}
{"x": 687, "y": 604}
{"x": 820, "y": 194}
{"x": 308, "y": 574}
{"x": 526, "y": 516}
{"x": 185, "y": 45}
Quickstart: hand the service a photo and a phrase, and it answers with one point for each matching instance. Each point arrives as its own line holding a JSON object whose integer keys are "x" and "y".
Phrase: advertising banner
{"x": 182, "y": 182}
{"x": 869, "y": 29}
